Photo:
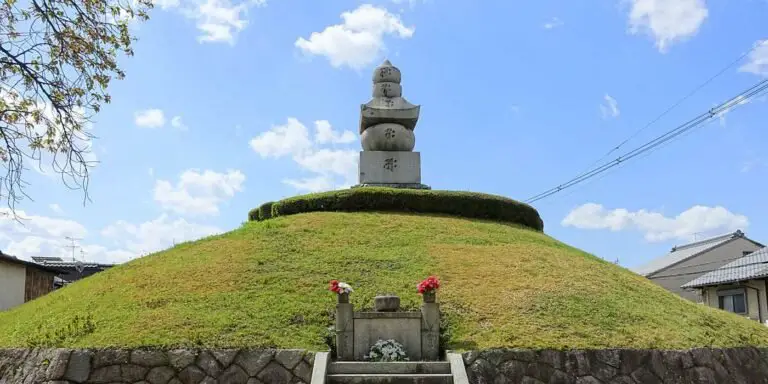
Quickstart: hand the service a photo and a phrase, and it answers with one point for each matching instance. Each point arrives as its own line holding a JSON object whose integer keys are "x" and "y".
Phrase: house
{"x": 690, "y": 261}
{"x": 738, "y": 287}
{"x": 71, "y": 270}
{"x": 22, "y": 281}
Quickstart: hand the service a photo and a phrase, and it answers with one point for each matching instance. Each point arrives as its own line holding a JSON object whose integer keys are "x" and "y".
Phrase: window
{"x": 733, "y": 300}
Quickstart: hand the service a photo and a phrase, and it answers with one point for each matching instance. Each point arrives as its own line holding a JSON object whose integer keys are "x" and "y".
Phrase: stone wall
{"x": 737, "y": 365}
{"x": 178, "y": 366}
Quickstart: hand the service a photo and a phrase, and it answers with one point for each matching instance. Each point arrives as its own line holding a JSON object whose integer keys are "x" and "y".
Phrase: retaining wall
{"x": 178, "y": 366}
{"x": 732, "y": 366}
{"x": 194, "y": 366}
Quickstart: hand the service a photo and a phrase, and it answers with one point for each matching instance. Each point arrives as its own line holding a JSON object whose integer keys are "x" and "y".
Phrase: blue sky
{"x": 227, "y": 105}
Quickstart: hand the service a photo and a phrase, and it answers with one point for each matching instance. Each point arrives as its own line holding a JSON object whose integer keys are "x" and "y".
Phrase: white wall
{"x": 12, "y": 278}
{"x": 757, "y": 306}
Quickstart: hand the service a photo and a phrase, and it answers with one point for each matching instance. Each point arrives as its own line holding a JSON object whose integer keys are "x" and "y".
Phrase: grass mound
{"x": 463, "y": 204}
{"x": 264, "y": 285}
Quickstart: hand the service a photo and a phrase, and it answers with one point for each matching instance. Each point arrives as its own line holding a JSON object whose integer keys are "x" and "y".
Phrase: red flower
{"x": 334, "y": 286}
{"x": 428, "y": 285}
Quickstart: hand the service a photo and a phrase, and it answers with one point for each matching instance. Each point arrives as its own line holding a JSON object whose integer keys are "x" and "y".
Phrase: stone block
{"x": 384, "y": 326}
{"x": 386, "y": 303}
{"x": 191, "y": 375}
{"x": 275, "y": 373}
{"x": 234, "y": 375}
{"x": 380, "y": 167}
{"x": 303, "y": 371}
{"x": 225, "y": 356}
{"x": 133, "y": 372}
{"x": 79, "y": 367}
{"x": 209, "y": 364}
{"x": 105, "y": 357}
{"x": 253, "y": 361}
{"x": 289, "y": 357}
{"x": 149, "y": 358}
{"x": 160, "y": 375}
{"x": 108, "y": 374}
{"x": 181, "y": 358}
{"x": 57, "y": 364}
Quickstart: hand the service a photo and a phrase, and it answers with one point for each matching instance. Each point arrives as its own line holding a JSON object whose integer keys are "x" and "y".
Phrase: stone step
{"x": 404, "y": 367}
{"x": 389, "y": 378}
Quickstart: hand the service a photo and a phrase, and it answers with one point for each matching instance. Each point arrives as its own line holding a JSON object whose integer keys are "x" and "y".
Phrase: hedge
{"x": 463, "y": 204}
{"x": 263, "y": 212}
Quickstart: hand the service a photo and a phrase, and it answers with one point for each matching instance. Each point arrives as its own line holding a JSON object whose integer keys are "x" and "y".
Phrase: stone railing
{"x": 736, "y": 365}
{"x": 177, "y": 366}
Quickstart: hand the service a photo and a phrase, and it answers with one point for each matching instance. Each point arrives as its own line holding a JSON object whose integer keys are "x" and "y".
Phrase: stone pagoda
{"x": 386, "y": 132}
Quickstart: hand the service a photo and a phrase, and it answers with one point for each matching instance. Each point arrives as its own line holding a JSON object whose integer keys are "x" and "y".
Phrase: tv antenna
{"x": 73, "y": 245}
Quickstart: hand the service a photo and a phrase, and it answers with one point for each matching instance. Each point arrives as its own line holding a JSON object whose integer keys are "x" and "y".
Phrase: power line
{"x": 675, "y": 105}
{"x": 732, "y": 103}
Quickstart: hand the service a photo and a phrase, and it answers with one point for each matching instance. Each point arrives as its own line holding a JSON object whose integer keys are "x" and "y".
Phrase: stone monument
{"x": 386, "y": 132}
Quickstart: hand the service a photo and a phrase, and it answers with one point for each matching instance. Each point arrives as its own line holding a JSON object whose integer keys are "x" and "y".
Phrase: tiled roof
{"x": 752, "y": 266}
{"x": 683, "y": 252}
{"x": 15, "y": 260}
{"x": 71, "y": 264}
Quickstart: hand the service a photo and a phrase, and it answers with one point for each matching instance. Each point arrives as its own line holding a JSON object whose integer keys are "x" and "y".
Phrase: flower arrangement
{"x": 340, "y": 287}
{"x": 428, "y": 285}
{"x": 387, "y": 350}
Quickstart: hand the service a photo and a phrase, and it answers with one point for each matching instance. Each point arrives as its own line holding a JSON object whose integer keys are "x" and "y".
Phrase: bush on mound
{"x": 463, "y": 204}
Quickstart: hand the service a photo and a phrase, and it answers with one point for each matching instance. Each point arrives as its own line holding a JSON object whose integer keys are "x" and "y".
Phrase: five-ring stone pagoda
{"x": 386, "y": 131}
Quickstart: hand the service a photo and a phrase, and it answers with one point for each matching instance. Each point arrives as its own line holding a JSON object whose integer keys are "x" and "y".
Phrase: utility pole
{"x": 73, "y": 246}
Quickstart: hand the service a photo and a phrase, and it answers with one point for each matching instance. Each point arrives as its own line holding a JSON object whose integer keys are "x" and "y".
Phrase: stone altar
{"x": 387, "y": 123}
{"x": 418, "y": 332}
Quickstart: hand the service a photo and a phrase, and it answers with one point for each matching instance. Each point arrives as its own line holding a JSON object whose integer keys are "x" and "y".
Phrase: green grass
{"x": 264, "y": 285}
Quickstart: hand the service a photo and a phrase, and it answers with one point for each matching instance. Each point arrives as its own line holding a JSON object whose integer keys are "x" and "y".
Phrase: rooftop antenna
{"x": 73, "y": 246}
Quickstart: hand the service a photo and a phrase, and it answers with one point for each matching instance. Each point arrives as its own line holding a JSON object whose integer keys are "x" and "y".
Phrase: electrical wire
{"x": 699, "y": 120}
{"x": 675, "y": 105}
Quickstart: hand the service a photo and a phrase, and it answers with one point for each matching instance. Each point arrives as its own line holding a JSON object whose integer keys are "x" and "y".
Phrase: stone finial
{"x": 386, "y": 73}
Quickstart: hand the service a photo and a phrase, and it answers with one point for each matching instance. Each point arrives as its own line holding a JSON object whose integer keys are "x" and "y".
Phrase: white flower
{"x": 345, "y": 288}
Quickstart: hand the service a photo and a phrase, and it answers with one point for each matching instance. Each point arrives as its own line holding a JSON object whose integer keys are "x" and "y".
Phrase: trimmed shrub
{"x": 462, "y": 204}
{"x": 265, "y": 211}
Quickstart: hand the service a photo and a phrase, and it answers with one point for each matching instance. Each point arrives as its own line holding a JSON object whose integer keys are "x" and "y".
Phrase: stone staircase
{"x": 390, "y": 373}
{"x": 415, "y": 372}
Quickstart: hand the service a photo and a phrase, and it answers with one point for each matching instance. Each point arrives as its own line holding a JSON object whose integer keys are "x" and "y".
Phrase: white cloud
{"x": 553, "y": 23}
{"x": 198, "y": 193}
{"x": 34, "y": 235}
{"x": 734, "y": 103}
{"x": 655, "y": 226}
{"x": 150, "y": 118}
{"x": 359, "y": 40}
{"x": 56, "y": 208}
{"x": 758, "y": 60}
{"x": 311, "y": 184}
{"x": 324, "y": 133}
{"x": 166, "y": 4}
{"x": 42, "y": 226}
{"x": 178, "y": 124}
{"x": 328, "y": 164}
{"x": 220, "y": 21}
{"x": 156, "y": 235}
{"x": 667, "y": 21}
{"x": 610, "y": 108}
{"x": 151, "y": 172}
{"x": 58, "y": 163}
{"x": 289, "y": 139}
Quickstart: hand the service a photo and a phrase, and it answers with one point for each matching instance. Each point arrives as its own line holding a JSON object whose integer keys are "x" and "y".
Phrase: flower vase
{"x": 429, "y": 297}
{"x": 343, "y": 298}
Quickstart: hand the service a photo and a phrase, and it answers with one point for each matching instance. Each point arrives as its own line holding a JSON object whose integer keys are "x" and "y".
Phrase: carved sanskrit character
{"x": 389, "y": 133}
{"x": 390, "y": 164}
